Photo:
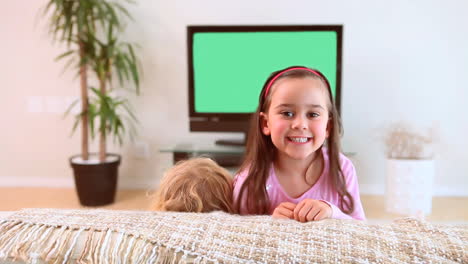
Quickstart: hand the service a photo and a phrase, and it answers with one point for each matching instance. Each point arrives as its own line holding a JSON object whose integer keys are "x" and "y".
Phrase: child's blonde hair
{"x": 195, "y": 185}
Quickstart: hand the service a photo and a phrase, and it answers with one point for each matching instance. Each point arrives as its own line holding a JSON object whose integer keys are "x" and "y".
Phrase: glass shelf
{"x": 203, "y": 148}
{"x": 226, "y": 156}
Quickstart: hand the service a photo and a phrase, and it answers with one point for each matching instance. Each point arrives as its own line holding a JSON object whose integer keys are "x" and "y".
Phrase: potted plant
{"x": 410, "y": 170}
{"x": 89, "y": 28}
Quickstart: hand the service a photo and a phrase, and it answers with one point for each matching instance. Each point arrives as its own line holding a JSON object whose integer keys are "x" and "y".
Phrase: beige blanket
{"x": 106, "y": 236}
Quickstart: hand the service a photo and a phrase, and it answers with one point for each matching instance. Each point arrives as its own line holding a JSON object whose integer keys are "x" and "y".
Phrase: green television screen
{"x": 230, "y": 68}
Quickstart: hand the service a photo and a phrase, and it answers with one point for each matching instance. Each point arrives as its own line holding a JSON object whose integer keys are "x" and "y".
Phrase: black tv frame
{"x": 239, "y": 122}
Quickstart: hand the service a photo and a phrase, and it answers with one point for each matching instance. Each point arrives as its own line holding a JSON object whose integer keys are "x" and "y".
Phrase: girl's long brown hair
{"x": 260, "y": 151}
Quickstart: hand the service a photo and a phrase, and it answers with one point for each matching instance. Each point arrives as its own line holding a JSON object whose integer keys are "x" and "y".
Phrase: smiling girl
{"x": 293, "y": 167}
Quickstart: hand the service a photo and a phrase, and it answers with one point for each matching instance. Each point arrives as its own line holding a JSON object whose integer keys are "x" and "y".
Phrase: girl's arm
{"x": 353, "y": 188}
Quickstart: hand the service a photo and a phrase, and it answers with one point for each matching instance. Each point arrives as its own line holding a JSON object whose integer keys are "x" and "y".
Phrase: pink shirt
{"x": 321, "y": 190}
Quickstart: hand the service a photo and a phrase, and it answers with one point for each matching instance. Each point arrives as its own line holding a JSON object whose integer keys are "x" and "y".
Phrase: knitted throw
{"x": 106, "y": 236}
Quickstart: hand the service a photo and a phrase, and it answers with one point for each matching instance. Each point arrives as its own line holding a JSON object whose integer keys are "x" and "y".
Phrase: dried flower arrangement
{"x": 403, "y": 142}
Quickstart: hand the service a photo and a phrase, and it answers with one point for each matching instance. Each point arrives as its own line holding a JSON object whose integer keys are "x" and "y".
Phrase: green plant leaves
{"x": 107, "y": 113}
{"x": 90, "y": 29}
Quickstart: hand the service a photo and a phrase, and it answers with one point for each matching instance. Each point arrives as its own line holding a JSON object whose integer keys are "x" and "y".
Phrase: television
{"x": 227, "y": 66}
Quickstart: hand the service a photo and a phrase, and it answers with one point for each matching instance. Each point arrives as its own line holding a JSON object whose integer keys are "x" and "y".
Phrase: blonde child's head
{"x": 195, "y": 185}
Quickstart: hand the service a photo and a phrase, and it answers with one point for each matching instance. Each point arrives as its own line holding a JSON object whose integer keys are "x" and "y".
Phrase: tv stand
{"x": 230, "y": 142}
{"x": 233, "y": 142}
{"x": 225, "y": 156}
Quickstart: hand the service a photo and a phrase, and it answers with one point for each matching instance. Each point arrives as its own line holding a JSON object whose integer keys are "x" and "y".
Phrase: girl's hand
{"x": 284, "y": 211}
{"x": 312, "y": 210}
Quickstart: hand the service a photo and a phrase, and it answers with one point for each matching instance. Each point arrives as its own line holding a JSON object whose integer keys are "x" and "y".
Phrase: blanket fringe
{"x": 105, "y": 236}
{"x": 39, "y": 243}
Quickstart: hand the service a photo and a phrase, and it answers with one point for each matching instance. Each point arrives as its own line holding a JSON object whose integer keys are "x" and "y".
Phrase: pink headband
{"x": 287, "y": 70}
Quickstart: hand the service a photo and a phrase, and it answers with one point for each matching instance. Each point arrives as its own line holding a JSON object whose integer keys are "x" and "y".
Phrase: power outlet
{"x": 52, "y": 104}
{"x": 35, "y": 104}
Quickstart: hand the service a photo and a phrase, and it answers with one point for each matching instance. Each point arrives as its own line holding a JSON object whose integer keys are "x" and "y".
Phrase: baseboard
{"x": 148, "y": 184}
{"x": 29, "y": 182}
{"x": 140, "y": 184}
{"x": 36, "y": 182}
{"x": 379, "y": 189}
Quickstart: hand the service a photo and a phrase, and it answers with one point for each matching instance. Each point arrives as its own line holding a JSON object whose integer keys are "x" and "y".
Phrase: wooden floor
{"x": 445, "y": 209}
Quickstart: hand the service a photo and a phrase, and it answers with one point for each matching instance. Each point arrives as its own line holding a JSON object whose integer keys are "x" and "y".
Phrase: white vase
{"x": 409, "y": 187}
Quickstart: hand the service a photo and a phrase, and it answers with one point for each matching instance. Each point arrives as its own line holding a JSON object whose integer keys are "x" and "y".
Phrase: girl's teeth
{"x": 299, "y": 140}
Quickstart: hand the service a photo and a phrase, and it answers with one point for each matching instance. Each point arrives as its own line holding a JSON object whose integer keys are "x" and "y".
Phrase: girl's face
{"x": 297, "y": 119}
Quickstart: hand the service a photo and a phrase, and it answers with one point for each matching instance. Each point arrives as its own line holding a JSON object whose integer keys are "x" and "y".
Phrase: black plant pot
{"x": 96, "y": 183}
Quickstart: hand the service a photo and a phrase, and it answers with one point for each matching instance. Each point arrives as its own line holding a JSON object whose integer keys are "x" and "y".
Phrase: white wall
{"x": 403, "y": 60}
